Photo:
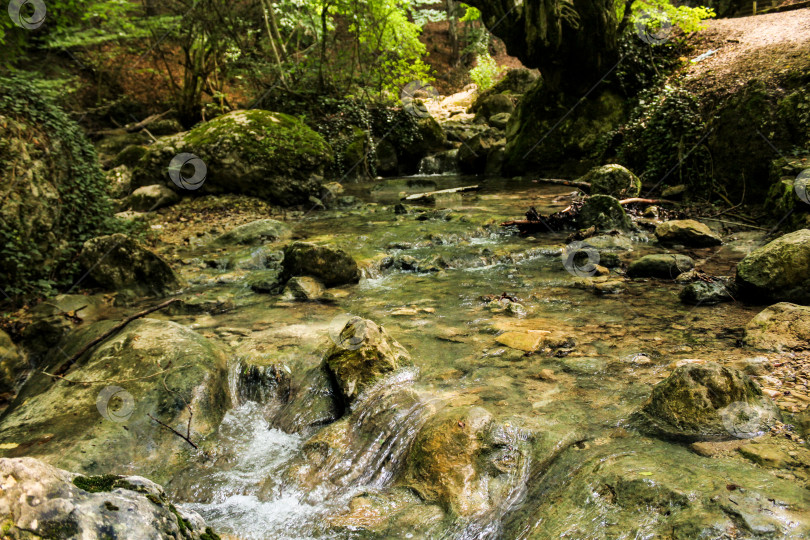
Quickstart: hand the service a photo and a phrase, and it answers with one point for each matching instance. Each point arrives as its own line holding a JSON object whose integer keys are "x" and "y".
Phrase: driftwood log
{"x": 429, "y": 195}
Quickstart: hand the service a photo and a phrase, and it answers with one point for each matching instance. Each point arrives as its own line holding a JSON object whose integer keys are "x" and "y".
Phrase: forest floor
{"x": 764, "y": 47}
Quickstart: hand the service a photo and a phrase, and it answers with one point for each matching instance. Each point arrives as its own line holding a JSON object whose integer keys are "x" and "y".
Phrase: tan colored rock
{"x": 687, "y": 232}
{"x": 782, "y": 326}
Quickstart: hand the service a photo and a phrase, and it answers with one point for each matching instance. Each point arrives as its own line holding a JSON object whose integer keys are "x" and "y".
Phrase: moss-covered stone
{"x": 778, "y": 271}
{"x": 603, "y": 212}
{"x": 661, "y": 266}
{"x": 256, "y": 232}
{"x": 12, "y": 364}
{"x": 687, "y": 232}
{"x": 260, "y": 153}
{"x": 118, "y": 263}
{"x": 613, "y": 180}
{"x": 151, "y": 198}
{"x": 129, "y": 156}
{"x": 331, "y": 266}
{"x": 362, "y": 354}
{"x": 706, "y": 401}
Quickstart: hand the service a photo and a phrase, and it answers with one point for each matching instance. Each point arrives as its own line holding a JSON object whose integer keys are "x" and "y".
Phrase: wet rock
{"x": 151, "y": 198}
{"x": 532, "y": 340}
{"x": 312, "y": 402}
{"x": 686, "y": 232}
{"x": 613, "y": 286}
{"x": 464, "y": 461}
{"x": 305, "y": 289}
{"x": 441, "y": 163}
{"x": 499, "y": 120}
{"x": 41, "y": 501}
{"x": 265, "y": 281}
{"x": 12, "y": 364}
{"x": 702, "y": 293}
{"x": 473, "y": 155}
{"x": 660, "y": 266}
{"x": 603, "y": 212}
{"x": 429, "y": 139}
{"x": 780, "y": 327}
{"x": 706, "y": 401}
{"x": 778, "y": 271}
{"x": 398, "y": 512}
{"x": 97, "y": 428}
{"x": 362, "y": 354}
{"x": 613, "y": 180}
{"x": 674, "y": 192}
{"x": 259, "y": 153}
{"x": 262, "y": 382}
{"x": 256, "y": 232}
{"x": 332, "y": 266}
{"x": 387, "y": 163}
{"x": 118, "y": 263}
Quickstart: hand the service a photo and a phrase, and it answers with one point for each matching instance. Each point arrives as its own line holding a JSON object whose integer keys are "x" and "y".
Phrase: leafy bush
{"x": 53, "y": 191}
{"x": 485, "y": 72}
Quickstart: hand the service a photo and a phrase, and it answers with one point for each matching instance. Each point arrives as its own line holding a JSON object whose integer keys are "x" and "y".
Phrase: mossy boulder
{"x": 331, "y": 266}
{"x": 613, "y": 180}
{"x": 41, "y": 501}
{"x": 603, "y": 212}
{"x": 515, "y": 81}
{"x": 490, "y": 105}
{"x": 256, "y": 232}
{"x": 118, "y": 263}
{"x": 778, "y": 271}
{"x": 12, "y": 364}
{"x": 362, "y": 354}
{"x": 54, "y": 193}
{"x": 705, "y": 402}
{"x": 105, "y": 425}
{"x": 780, "y": 327}
{"x": 663, "y": 266}
{"x": 264, "y": 154}
{"x": 129, "y": 156}
{"x": 686, "y": 232}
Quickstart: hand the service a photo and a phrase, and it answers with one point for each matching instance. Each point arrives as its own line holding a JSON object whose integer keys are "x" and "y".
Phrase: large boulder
{"x": 782, "y": 326}
{"x": 118, "y": 263}
{"x": 660, "y": 266}
{"x": 473, "y": 155}
{"x": 41, "y": 501}
{"x": 259, "y": 153}
{"x": 52, "y": 190}
{"x": 151, "y": 371}
{"x": 687, "y": 232}
{"x": 489, "y": 105}
{"x": 331, "y": 266}
{"x": 50, "y": 321}
{"x": 613, "y": 180}
{"x": 426, "y": 137}
{"x": 603, "y": 212}
{"x": 706, "y": 402}
{"x": 778, "y": 271}
{"x": 361, "y": 354}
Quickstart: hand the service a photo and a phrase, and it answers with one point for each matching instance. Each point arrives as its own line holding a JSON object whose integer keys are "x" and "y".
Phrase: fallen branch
{"x": 585, "y": 186}
{"x": 145, "y": 122}
{"x": 72, "y": 360}
{"x": 431, "y": 194}
{"x": 636, "y": 200}
{"x": 184, "y": 437}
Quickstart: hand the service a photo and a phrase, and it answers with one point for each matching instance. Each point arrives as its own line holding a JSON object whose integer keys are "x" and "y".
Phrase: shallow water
{"x": 441, "y": 319}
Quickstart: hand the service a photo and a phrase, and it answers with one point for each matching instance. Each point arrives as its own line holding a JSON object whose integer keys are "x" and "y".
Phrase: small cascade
{"x": 261, "y": 384}
{"x": 441, "y": 163}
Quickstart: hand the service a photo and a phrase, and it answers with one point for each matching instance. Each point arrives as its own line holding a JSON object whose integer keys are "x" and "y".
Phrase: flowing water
{"x": 455, "y": 280}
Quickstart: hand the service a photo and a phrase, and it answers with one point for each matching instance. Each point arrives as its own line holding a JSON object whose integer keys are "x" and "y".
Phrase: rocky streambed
{"x": 380, "y": 370}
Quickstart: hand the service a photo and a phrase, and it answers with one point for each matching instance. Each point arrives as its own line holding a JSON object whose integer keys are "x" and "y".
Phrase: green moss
{"x": 110, "y": 506}
{"x": 209, "y": 534}
{"x": 182, "y": 523}
{"x": 97, "y": 484}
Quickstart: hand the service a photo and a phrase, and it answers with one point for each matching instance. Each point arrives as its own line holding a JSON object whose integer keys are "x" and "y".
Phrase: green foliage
{"x": 485, "y": 72}
{"x": 658, "y": 12}
{"x": 663, "y": 142}
{"x": 34, "y": 123}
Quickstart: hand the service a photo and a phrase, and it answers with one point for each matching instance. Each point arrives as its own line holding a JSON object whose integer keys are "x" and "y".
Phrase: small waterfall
{"x": 262, "y": 384}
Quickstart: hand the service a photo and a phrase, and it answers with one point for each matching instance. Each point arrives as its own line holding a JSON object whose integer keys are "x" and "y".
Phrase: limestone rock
{"x": 687, "y": 232}
{"x": 150, "y": 198}
{"x": 613, "y": 180}
{"x": 660, "y": 266}
{"x": 331, "y": 266}
{"x": 778, "y": 271}
{"x": 706, "y": 401}
{"x": 256, "y": 232}
{"x": 780, "y": 327}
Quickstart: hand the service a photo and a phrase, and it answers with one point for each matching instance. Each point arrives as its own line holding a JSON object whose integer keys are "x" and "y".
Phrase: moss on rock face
{"x": 603, "y": 212}
{"x": 778, "y": 271}
{"x": 613, "y": 180}
{"x": 53, "y": 191}
{"x": 261, "y": 153}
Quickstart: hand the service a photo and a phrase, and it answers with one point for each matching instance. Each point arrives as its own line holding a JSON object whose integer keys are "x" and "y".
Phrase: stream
{"x": 447, "y": 310}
